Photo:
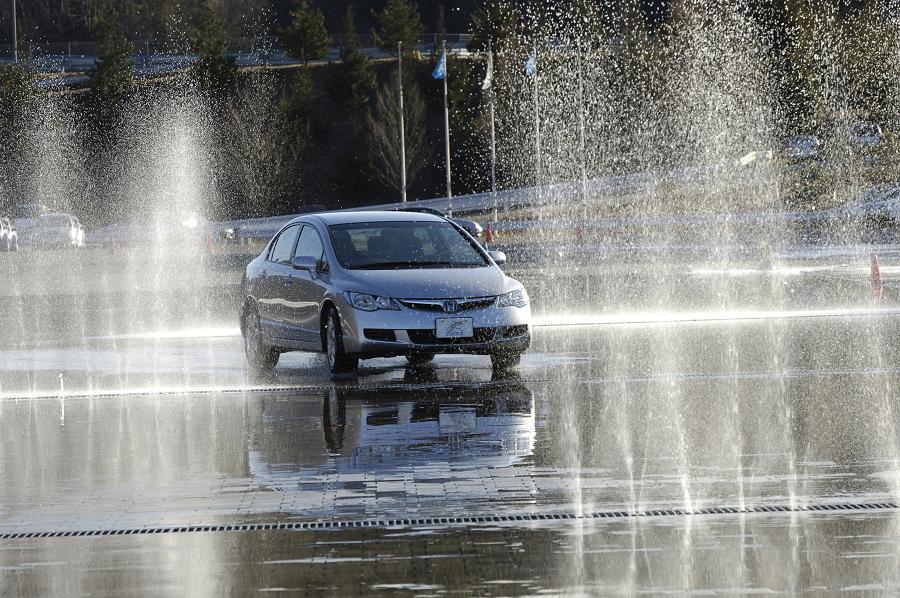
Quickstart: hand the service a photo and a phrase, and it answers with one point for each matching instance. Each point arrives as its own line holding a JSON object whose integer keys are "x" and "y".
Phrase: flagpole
{"x": 447, "y": 132}
{"x": 402, "y": 124}
{"x": 15, "y": 40}
{"x": 493, "y": 129}
{"x": 582, "y": 135}
{"x": 537, "y": 136}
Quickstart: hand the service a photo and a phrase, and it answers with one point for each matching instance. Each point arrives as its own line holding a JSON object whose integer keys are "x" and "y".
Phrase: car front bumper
{"x": 386, "y": 333}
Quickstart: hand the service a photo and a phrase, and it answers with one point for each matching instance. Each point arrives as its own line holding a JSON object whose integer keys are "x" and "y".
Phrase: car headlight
{"x": 517, "y": 298}
{"x": 367, "y": 302}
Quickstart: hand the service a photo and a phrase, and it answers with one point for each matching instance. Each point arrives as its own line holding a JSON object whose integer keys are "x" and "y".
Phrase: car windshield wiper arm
{"x": 398, "y": 265}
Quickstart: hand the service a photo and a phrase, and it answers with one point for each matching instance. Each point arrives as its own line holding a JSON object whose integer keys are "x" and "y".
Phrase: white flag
{"x": 489, "y": 77}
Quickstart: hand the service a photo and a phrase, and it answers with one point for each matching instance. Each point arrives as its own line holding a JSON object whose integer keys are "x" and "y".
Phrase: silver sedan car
{"x": 358, "y": 285}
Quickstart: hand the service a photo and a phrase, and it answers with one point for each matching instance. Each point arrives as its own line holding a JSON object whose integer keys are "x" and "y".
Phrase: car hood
{"x": 443, "y": 283}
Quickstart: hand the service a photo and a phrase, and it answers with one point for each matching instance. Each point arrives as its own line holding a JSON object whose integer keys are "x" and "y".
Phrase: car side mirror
{"x": 305, "y": 262}
{"x": 498, "y": 256}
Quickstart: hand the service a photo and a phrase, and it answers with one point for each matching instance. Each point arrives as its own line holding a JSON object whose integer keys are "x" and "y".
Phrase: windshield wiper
{"x": 412, "y": 265}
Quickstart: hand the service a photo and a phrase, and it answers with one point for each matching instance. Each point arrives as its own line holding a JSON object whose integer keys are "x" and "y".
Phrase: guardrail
{"x": 235, "y": 46}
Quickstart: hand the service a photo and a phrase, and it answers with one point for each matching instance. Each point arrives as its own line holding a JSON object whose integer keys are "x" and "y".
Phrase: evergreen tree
{"x": 355, "y": 80}
{"x": 306, "y": 38}
{"x": 440, "y": 30}
{"x": 302, "y": 109}
{"x": 496, "y": 21}
{"x": 18, "y": 102}
{"x": 399, "y": 21}
{"x": 213, "y": 69}
{"x": 112, "y": 78}
{"x": 18, "y": 90}
{"x": 585, "y": 23}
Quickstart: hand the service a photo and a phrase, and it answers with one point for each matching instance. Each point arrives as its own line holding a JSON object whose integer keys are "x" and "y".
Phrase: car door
{"x": 270, "y": 287}
{"x": 306, "y": 290}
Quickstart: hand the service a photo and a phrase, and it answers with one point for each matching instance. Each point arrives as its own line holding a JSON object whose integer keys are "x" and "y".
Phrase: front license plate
{"x": 454, "y": 328}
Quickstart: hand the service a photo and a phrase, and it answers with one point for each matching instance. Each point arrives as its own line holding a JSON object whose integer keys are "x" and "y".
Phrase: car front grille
{"x": 438, "y": 304}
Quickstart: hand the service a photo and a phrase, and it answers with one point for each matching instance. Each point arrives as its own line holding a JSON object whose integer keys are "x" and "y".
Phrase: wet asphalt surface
{"x": 126, "y": 407}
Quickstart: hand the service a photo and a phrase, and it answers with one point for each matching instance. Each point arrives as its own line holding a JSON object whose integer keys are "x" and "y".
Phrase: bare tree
{"x": 383, "y": 124}
{"x": 258, "y": 161}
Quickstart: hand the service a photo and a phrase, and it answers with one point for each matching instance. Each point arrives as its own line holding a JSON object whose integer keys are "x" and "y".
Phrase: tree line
{"x": 326, "y": 134}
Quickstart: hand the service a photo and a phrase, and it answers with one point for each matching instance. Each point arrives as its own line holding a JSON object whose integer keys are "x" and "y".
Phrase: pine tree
{"x": 112, "y": 78}
{"x": 306, "y": 38}
{"x": 213, "y": 69}
{"x": 302, "y": 109}
{"x": 496, "y": 21}
{"x": 18, "y": 103}
{"x": 585, "y": 23}
{"x": 399, "y": 21}
{"x": 440, "y": 30}
{"x": 355, "y": 81}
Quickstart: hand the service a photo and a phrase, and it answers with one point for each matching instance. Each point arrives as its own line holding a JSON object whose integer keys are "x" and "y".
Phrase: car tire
{"x": 419, "y": 359}
{"x": 505, "y": 361}
{"x": 261, "y": 357}
{"x": 339, "y": 361}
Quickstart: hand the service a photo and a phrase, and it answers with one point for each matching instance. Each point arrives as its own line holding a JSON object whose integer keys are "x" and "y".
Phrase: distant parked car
{"x": 29, "y": 214}
{"x": 803, "y": 148}
{"x": 879, "y": 205}
{"x": 866, "y": 134}
{"x": 55, "y": 230}
{"x": 31, "y": 210}
{"x": 9, "y": 236}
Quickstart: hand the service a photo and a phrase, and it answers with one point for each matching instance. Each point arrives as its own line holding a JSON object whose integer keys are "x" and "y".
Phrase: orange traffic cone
{"x": 876, "y": 281}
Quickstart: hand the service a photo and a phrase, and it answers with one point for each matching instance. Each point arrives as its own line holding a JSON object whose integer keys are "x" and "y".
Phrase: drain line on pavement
{"x": 328, "y": 525}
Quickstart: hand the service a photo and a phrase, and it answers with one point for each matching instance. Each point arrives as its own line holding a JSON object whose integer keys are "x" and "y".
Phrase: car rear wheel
{"x": 260, "y": 356}
{"x": 505, "y": 361}
{"x": 339, "y": 361}
{"x": 417, "y": 359}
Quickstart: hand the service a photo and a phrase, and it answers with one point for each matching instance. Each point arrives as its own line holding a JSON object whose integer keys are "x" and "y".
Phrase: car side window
{"x": 310, "y": 244}
{"x": 283, "y": 248}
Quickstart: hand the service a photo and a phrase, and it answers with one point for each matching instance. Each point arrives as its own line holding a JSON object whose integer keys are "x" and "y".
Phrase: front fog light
{"x": 517, "y": 298}
{"x": 367, "y": 302}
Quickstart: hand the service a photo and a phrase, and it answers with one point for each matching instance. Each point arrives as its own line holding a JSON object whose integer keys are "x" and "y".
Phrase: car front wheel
{"x": 339, "y": 361}
{"x": 260, "y": 356}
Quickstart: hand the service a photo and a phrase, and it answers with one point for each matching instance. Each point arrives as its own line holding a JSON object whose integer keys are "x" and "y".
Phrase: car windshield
{"x": 398, "y": 245}
{"x": 804, "y": 142}
{"x": 57, "y": 221}
{"x": 865, "y": 130}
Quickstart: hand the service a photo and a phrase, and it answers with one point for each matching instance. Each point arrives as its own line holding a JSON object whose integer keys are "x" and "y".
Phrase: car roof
{"x": 362, "y": 217}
